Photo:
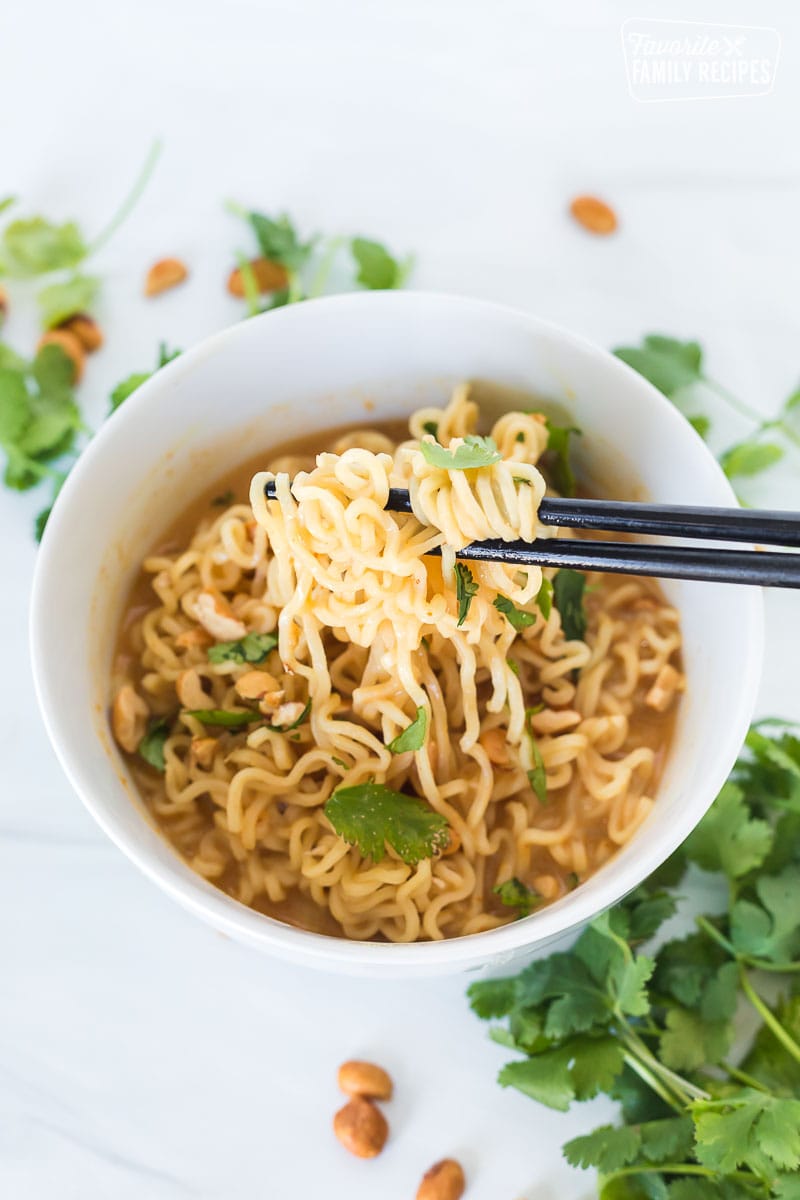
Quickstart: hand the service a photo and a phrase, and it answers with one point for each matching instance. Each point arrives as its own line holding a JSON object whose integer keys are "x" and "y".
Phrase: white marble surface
{"x": 141, "y": 1054}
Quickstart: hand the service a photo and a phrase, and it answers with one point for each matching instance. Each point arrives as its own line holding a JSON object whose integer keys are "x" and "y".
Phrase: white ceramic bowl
{"x": 320, "y": 364}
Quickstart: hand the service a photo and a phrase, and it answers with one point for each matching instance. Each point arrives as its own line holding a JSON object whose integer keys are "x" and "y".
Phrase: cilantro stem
{"x": 768, "y": 1017}
{"x": 249, "y": 284}
{"x": 132, "y": 199}
{"x": 715, "y": 935}
{"x": 317, "y": 285}
{"x": 685, "y": 1090}
{"x": 743, "y": 1077}
{"x": 679, "y": 1169}
{"x": 735, "y": 403}
{"x": 295, "y": 291}
{"x": 652, "y": 1081}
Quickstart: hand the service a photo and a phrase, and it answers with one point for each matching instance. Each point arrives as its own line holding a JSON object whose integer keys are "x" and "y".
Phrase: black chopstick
{"x": 706, "y": 563}
{"x": 616, "y": 516}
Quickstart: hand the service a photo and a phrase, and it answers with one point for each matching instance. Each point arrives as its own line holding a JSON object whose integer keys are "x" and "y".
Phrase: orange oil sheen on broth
{"x": 186, "y": 829}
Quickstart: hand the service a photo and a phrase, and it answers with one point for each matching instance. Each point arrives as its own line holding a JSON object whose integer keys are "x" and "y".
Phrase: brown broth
{"x": 648, "y": 728}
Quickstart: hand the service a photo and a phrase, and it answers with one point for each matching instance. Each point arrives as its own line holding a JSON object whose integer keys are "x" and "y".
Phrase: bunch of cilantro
{"x": 653, "y": 1025}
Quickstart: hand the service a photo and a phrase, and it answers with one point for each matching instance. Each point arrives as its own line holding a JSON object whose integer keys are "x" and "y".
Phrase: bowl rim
{"x": 231, "y": 916}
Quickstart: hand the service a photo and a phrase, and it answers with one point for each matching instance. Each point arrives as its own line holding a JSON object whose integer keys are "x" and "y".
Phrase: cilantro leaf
{"x": 728, "y": 839}
{"x": 10, "y": 360}
{"x": 666, "y": 362}
{"x": 537, "y": 775}
{"x": 370, "y": 814}
{"x": 279, "y": 241}
{"x": 700, "y": 425}
{"x": 40, "y": 522}
{"x": 473, "y": 452}
{"x": 53, "y": 370}
{"x": 751, "y": 1129}
{"x": 466, "y": 588}
{"x": 60, "y": 301}
{"x": 749, "y": 458}
{"x": 252, "y": 648}
{"x": 607, "y": 1148}
{"x": 561, "y": 473}
{"x": 544, "y": 598}
{"x": 515, "y": 616}
{"x": 577, "y": 1069}
{"x": 568, "y": 589}
{"x": 490, "y": 998}
{"x": 377, "y": 269}
{"x": 151, "y": 747}
{"x": 413, "y": 736}
{"x": 690, "y": 1040}
{"x": 229, "y": 717}
{"x": 14, "y": 406}
{"x": 34, "y": 246}
{"x": 128, "y": 386}
{"x": 515, "y": 894}
{"x": 768, "y": 927}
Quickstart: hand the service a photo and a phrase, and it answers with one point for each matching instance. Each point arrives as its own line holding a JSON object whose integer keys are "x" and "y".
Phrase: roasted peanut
{"x": 3, "y": 304}
{"x": 86, "y": 330}
{"x": 496, "y": 747}
{"x": 287, "y": 714}
{"x": 271, "y": 701}
{"x": 444, "y": 1181}
{"x": 216, "y": 615}
{"x": 69, "y": 344}
{"x": 129, "y": 715}
{"x": 203, "y": 750}
{"x": 361, "y": 1128}
{"x": 166, "y": 273}
{"x": 196, "y": 636}
{"x": 358, "y": 1078}
{"x": 190, "y": 690}
{"x": 255, "y": 685}
{"x": 668, "y": 681}
{"x": 268, "y": 276}
{"x": 594, "y": 215}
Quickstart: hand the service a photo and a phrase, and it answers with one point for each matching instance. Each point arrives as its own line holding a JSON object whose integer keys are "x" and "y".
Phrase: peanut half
{"x": 361, "y": 1128}
{"x": 129, "y": 715}
{"x": 268, "y": 276}
{"x": 594, "y": 215}
{"x": 444, "y": 1181}
{"x": 496, "y": 747}
{"x": 166, "y": 273}
{"x": 364, "y": 1079}
{"x": 85, "y": 329}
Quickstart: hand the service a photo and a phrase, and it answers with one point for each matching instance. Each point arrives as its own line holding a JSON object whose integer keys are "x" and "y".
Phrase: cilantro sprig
{"x": 413, "y": 736}
{"x": 654, "y": 1028}
{"x": 473, "y": 452}
{"x": 466, "y": 590}
{"x": 516, "y": 894}
{"x": 252, "y": 648}
{"x": 676, "y": 369}
{"x": 370, "y": 815}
